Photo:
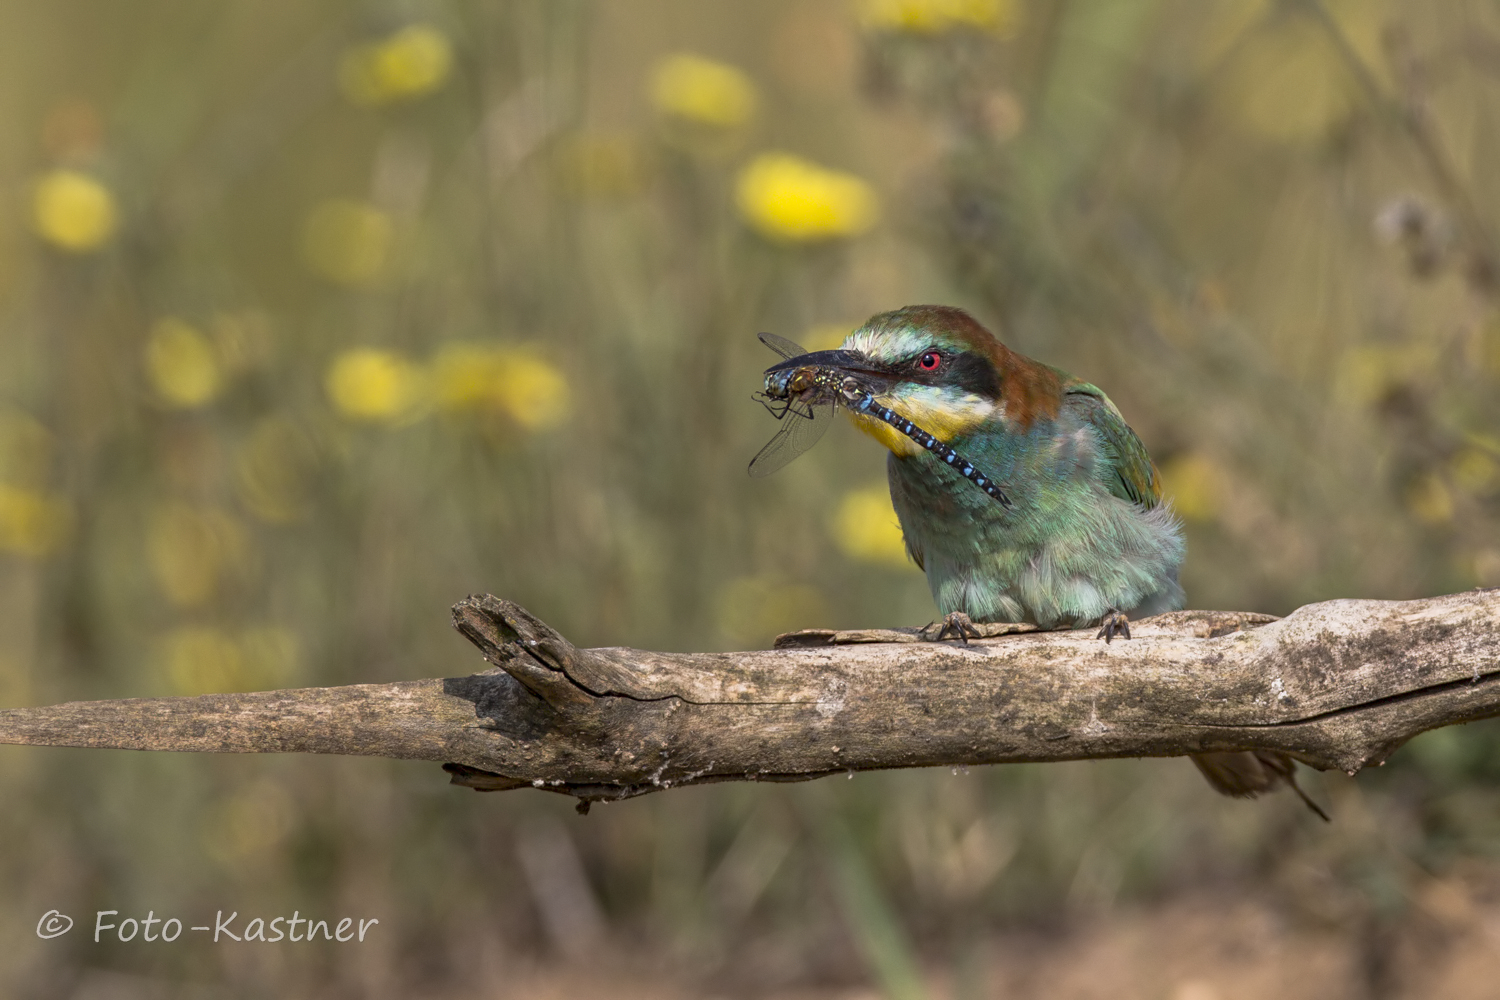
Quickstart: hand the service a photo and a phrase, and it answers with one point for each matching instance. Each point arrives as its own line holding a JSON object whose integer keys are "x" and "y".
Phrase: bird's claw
{"x": 1113, "y": 624}
{"x": 956, "y": 623}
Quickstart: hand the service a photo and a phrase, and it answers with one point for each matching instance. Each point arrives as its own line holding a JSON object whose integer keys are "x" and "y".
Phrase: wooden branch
{"x": 1336, "y": 685}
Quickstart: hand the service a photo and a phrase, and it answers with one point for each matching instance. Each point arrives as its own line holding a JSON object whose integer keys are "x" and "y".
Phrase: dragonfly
{"x": 805, "y": 398}
{"x": 805, "y": 417}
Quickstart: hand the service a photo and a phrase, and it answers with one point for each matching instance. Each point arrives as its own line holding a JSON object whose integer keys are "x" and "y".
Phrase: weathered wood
{"x": 1335, "y": 685}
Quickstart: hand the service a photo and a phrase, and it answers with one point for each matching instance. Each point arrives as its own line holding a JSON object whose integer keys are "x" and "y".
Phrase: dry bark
{"x": 1336, "y": 685}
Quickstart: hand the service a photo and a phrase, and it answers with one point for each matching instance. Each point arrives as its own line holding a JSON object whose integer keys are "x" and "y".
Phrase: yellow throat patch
{"x": 943, "y": 413}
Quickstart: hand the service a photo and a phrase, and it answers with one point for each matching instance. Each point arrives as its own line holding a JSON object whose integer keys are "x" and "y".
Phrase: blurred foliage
{"x": 315, "y": 318}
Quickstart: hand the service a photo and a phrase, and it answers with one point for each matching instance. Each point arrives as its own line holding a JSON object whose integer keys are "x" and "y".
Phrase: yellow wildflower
{"x": 1365, "y": 374}
{"x": 1488, "y": 443}
{"x": 202, "y": 659}
{"x": 1430, "y": 501}
{"x": 1195, "y": 484}
{"x": 272, "y": 470}
{"x": 1288, "y": 82}
{"x": 25, "y": 449}
{"x": 753, "y": 609}
{"x": 411, "y": 63}
{"x": 1476, "y": 471}
{"x": 786, "y": 198}
{"x": 930, "y": 17}
{"x": 347, "y": 241}
{"x": 513, "y": 379}
{"x": 865, "y": 527}
{"x": 182, "y": 364}
{"x": 270, "y": 655}
{"x": 534, "y": 392}
{"x": 370, "y": 384}
{"x": 73, "y": 211}
{"x": 32, "y": 523}
{"x": 701, "y": 90}
{"x": 192, "y": 549}
{"x": 463, "y": 375}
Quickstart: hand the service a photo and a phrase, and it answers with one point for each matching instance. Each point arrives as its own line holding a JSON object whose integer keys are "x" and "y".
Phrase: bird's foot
{"x": 954, "y": 623}
{"x": 1113, "y": 624}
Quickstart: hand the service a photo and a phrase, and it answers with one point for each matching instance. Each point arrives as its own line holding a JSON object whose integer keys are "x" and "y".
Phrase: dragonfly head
{"x": 822, "y": 376}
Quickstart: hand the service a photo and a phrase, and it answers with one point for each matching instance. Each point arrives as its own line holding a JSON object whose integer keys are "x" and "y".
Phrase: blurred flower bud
{"x": 25, "y": 449}
{"x": 181, "y": 365}
{"x": 374, "y": 385}
{"x": 752, "y": 609}
{"x": 514, "y": 380}
{"x": 202, "y": 659}
{"x": 929, "y": 17}
{"x": 32, "y": 523}
{"x": 703, "y": 91}
{"x": 1429, "y": 500}
{"x": 347, "y": 242}
{"x": 411, "y": 63}
{"x": 1195, "y": 484}
{"x": 865, "y": 527}
{"x": 1288, "y": 83}
{"x": 534, "y": 390}
{"x": 789, "y": 199}
{"x": 273, "y": 469}
{"x": 1369, "y": 374}
{"x": 1476, "y": 471}
{"x": 192, "y": 550}
{"x": 73, "y": 211}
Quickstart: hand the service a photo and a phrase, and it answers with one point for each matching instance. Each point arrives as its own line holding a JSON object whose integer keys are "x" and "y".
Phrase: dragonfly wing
{"x": 781, "y": 345}
{"x": 801, "y": 428}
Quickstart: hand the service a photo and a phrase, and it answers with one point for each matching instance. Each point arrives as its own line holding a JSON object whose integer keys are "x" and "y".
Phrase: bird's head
{"x": 937, "y": 367}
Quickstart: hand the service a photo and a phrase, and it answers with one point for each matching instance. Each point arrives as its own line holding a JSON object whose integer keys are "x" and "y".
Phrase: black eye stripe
{"x": 968, "y": 371}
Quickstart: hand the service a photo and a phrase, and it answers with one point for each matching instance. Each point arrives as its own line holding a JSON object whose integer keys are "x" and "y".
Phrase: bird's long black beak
{"x": 847, "y": 362}
{"x": 841, "y": 360}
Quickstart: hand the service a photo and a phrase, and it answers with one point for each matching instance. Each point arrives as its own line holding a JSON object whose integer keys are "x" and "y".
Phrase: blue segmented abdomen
{"x": 963, "y": 466}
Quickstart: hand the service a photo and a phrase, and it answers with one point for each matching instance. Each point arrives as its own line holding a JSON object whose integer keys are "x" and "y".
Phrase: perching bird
{"x": 1078, "y": 538}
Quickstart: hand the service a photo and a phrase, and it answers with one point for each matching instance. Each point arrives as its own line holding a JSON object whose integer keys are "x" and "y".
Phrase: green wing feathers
{"x": 1136, "y": 478}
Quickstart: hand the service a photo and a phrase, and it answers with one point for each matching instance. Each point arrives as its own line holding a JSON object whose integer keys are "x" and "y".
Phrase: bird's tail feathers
{"x": 1248, "y": 773}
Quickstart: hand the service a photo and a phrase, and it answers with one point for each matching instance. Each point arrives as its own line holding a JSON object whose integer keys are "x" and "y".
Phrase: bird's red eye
{"x": 929, "y": 362}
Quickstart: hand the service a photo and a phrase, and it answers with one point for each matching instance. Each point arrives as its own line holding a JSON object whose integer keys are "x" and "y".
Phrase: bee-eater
{"x": 1079, "y": 537}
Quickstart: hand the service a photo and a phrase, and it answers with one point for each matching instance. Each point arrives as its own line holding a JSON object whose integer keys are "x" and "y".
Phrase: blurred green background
{"x": 317, "y": 317}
